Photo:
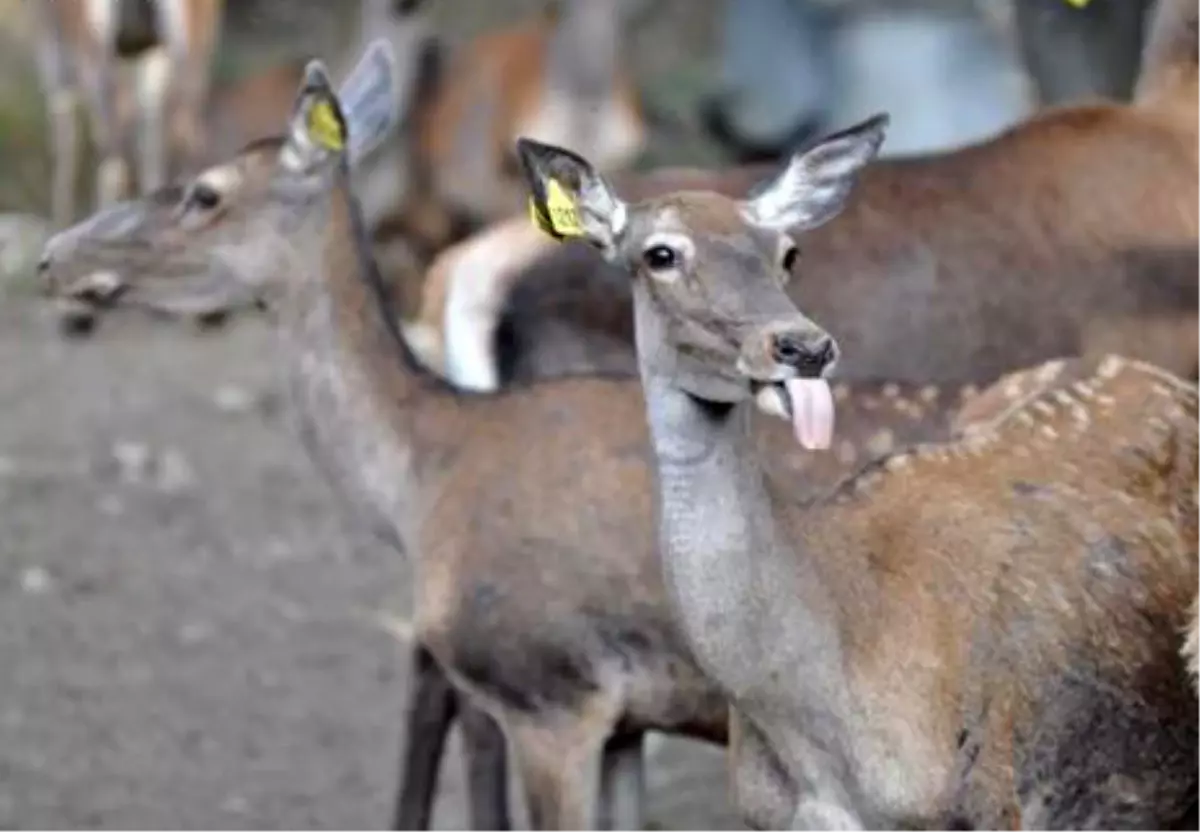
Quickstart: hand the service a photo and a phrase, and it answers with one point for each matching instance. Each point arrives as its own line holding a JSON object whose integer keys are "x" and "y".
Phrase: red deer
{"x": 934, "y": 642}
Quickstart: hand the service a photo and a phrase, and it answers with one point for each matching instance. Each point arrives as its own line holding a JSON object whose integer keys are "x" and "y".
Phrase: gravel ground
{"x": 190, "y": 636}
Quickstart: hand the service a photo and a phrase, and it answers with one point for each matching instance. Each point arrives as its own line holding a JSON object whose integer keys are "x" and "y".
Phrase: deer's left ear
{"x": 813, "y": 187}
{"x": 317, "y": 133}
{"x": 568, "y": 198}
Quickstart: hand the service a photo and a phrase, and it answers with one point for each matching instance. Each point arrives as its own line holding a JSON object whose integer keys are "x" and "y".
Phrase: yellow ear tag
{"x": 1079, "y": 4}
{"x": 560, "y": 218}
{"x": 324, "y": 126}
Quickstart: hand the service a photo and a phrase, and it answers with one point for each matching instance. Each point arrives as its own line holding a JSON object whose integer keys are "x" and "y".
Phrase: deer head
{"x": 205, "y": 245}
{"x": 709, "y": 271}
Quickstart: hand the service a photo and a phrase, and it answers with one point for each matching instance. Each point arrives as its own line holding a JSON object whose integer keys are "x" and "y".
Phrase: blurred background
{"x": 189, "y": 634}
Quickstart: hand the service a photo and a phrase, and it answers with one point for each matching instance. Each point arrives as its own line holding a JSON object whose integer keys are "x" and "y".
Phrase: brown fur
{"x": 1112, "y": 440}
{"x": 1072, "y": 233}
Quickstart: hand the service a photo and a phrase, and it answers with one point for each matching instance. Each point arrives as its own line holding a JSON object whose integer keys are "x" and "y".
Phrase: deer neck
{"x": 355, "y": 389}
{"x": 750, "y": 599}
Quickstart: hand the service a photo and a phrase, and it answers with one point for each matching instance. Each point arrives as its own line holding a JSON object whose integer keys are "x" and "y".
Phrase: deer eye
{"x": 204, "y": 196}
{"x": 660, "y": 258}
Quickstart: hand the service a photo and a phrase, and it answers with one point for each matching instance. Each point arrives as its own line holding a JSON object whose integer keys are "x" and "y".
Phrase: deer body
{"x": 932, "y": 643}
{"x": 80, "y": 46}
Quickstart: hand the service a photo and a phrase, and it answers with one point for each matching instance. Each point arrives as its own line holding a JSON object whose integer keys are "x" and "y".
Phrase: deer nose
{"x": 809, "y": 354}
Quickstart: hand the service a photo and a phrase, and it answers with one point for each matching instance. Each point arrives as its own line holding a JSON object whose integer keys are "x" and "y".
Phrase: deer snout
{"x": 94, "y": 286}
{"x": 810, "y": 352}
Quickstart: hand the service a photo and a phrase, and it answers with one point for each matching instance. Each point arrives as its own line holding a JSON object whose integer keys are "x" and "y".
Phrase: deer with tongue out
{"x": 979, "y": 634}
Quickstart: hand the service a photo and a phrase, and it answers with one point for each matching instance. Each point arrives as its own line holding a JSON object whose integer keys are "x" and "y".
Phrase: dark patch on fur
{"x": 536, "y": 674}
{"x": 1026, "y": 489}
{"x": 1163, "y": 279}
{"x": 1119, "y": 749}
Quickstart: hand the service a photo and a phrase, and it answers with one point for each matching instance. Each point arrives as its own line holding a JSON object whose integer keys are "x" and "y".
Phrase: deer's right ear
{"x": 568, "y": 198}
{"x": 368, "y": 99}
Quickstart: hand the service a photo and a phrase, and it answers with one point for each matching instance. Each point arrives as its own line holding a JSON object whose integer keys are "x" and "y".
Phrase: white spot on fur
{"x": 221, "y": 179}
{"x": 1191, "y": 650}
{"x": 1110, "y": 366}
{"x": 1050, "y": 371}
{"x": 290, "y": 160}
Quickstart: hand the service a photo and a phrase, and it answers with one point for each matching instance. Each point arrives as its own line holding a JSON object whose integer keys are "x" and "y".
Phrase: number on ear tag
{"x": 325, "y": 127}
{"x": 560, "y": 218}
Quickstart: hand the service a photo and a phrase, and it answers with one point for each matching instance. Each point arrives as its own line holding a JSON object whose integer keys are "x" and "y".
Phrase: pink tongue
{"x": 812, "y": 412}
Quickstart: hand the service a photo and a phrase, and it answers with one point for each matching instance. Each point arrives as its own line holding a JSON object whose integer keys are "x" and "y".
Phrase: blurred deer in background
{"x": 1079, "y": 49}
{"x": 1032, "y": 245}
{"x": 81, "y": 44}
{"x": 559, "y": 77}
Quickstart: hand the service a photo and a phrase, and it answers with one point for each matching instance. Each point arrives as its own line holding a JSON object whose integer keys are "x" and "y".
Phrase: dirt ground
{"x": 190, "y": 636}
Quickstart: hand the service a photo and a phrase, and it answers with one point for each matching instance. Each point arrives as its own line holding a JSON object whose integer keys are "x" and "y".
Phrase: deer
{"x": 80, "y": 44}
{"x": 1021, "y": 249}
{"x": 575, "y": 693}
{"x": 929, "y": 644}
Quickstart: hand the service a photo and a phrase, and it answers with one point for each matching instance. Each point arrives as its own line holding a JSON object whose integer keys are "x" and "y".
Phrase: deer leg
{"x": 558, "y": 757}
{"x": 190, "y": 31}
{"x": 63, "y": 109}
{"x": 59, "y": 74}
{"x": 112, "y": 172}
{"x": 486, "y": 755}
{"x": 155, "y": 76}
{"x": 431, "y": 709}
{"x": 762, "y": 791}
{"x": 622, "y": 782}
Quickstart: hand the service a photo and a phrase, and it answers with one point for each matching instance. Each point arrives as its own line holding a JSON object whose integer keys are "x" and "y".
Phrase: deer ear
{"x": 568, "y": 198}
{"x": 813, "y": 187}
{"x": 317, "y": 132}
{"x": 368, "y": 100}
